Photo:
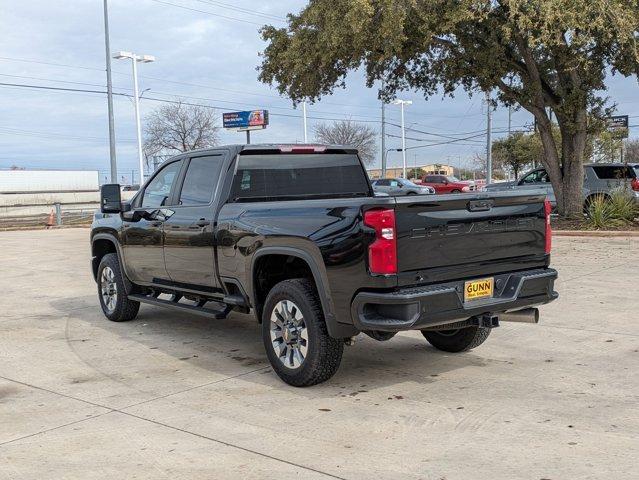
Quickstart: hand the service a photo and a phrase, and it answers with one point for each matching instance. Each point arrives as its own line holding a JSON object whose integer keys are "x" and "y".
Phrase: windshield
{"x": 452, "y": 179}
{"x": 407, "y": 183}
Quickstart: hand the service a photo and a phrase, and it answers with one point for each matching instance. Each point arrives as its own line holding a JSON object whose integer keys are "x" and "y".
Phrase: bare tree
{"x": 347, "y": 132}
{"x": 632, "y": 151}
{"x": 177, "y": 127}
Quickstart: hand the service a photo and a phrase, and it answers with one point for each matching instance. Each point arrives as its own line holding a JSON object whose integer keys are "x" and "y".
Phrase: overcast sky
{"x": 207, "y": 52}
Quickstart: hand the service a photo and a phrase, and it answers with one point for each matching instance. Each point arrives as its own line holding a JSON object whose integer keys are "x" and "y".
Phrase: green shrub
{"x": 623, "y": 204}
{"x": 612, "y": 211}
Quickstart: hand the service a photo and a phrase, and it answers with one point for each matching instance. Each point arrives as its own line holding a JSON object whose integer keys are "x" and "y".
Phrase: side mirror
{"x": 110, "y": 200}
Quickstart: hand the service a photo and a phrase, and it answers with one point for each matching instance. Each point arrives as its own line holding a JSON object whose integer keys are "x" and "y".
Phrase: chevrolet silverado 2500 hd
{"x": 296, "y": 235}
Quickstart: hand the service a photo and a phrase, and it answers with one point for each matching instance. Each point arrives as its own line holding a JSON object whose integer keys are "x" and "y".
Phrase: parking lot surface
{"x": 174, "y": 396}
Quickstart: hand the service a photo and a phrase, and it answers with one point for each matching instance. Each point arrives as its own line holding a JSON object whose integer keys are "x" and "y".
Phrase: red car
{"x": 446, "y": 184}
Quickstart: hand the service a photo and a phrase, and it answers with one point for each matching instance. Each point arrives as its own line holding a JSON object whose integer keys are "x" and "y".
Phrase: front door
{"x": 189, "y": 242}
{"x": 142, "y": 229}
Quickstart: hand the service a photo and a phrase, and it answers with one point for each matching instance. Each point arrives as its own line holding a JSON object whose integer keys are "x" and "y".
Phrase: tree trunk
{"x": 566, "y": 172}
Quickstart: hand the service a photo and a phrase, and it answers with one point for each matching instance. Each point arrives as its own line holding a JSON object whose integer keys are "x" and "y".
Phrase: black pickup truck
{"x": 296, "y": 235}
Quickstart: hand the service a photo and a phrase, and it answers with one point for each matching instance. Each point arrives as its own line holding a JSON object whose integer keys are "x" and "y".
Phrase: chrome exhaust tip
{"x": 527, "y": 315}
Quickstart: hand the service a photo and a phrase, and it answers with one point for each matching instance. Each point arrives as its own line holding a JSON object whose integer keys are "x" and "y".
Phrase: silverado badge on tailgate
{"x": 476, "y": 289}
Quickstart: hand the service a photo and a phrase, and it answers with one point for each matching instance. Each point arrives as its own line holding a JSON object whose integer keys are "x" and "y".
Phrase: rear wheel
{"x": 295, "y": 336}
{"x": 455, "y": 191}
{"x": 458, "y": 340}
{"x": 112, "y": 292}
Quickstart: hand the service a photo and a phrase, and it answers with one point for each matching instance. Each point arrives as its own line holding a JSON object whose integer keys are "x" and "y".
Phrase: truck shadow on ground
{"x": 233, "y": 347}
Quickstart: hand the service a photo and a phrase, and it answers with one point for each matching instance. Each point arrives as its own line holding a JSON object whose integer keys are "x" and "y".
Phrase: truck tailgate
{"x": 444, "y": 233}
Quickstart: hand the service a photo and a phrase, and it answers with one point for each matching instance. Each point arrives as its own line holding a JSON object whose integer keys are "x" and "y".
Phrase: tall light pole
{"x": 304, "y": 115}
{"x": 402, "y": 103}
{"x": 136, "y": 100}
{"x": 114, "y": 167}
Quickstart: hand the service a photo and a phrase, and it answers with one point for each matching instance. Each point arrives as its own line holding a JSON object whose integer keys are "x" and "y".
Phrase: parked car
{"x": 446, "y": 184}
{"x": 295, "y": 235}
{"x": 599, "y": 179}
{"x": 401, "y": 186}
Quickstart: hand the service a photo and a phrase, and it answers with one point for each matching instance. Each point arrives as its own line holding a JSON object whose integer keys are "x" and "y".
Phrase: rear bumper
{"x": 415, "y": 308}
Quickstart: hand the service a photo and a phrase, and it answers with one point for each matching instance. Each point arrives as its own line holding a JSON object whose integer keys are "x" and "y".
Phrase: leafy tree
{"x": 177, "y": 127}
{"x": 631, "y": 154}
{"x": 347, "y": 132}
{"x": 607, "y": 147}
{"x": 517, "y": 151}
{"x": 542, "y": 55}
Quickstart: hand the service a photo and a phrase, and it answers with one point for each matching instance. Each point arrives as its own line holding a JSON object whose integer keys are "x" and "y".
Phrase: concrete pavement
{"x": 173, "y": 396}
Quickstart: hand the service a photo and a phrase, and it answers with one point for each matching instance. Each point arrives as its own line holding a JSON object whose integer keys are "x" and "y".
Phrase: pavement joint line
{"x": 195, "y": 387}
{"x": 75, "y": 422}
{"x": 591, "y": 330}
{"x": 231, "y": 445}
{"x": 593, "y": 272}
{"x": 155, "y": 422}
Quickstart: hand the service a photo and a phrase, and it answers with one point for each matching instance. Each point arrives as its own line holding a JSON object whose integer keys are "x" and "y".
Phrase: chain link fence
{"x": 59, "y": 215}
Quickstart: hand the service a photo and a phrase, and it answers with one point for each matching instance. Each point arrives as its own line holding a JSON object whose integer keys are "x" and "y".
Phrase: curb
{"x": 595, "y": 233}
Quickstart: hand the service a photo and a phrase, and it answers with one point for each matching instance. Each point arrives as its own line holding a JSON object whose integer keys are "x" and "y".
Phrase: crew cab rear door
{"x": 189, "y": 234}
{"x": 452, "y": 236}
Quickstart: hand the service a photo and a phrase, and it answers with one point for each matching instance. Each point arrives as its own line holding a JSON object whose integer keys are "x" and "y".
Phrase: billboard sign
{"x": 618, "y": 125}
{"x": 247, "y": 120}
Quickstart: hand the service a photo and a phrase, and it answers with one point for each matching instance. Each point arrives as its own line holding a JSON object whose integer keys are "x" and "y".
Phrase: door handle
{"x": 202, "y": 223}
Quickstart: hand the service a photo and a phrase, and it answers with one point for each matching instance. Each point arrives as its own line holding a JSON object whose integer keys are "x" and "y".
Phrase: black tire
{"x": 455, "y": 191}
{"x": 460, "y": 340}
{"x": 323, "y": 354}
{"x": 122, "y": 308}
{"x": 411, "y": 193}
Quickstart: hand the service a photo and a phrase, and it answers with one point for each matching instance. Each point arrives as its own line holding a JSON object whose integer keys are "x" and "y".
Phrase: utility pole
{"x": 383, "y": 139}
{"x": 114, "y": 167}
{"x": 489, "y": 156}
{"x": 304, "y": 115}
{"x": 510, "y": 113}
{"x": 383, "y": 136}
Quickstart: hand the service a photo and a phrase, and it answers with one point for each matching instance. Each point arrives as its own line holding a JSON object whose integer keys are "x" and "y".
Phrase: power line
{"x": 241, "y": 10}
{"x": 208, "y": 13}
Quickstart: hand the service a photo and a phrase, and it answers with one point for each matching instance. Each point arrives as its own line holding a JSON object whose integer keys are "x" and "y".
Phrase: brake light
{"x": 382, "y": 253}
{"x": 635, "y": 184}
{"x": 302, "y": 148}
{"x": 547, "y": 210}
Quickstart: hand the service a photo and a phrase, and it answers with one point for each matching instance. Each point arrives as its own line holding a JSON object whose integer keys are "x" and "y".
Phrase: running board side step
{"x": 194, "y": 309}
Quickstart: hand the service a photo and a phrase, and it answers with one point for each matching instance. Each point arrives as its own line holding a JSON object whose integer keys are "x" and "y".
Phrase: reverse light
{"x": 547, "y": 210}
{"x": 382, "y": 253}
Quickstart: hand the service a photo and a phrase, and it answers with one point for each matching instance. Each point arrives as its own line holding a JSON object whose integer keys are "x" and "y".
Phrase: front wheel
{"x": 297, "y": 343}
{"x": 458, "y": 340}
{"x": 455, "y": 191}
{"x": 112, "y": 293}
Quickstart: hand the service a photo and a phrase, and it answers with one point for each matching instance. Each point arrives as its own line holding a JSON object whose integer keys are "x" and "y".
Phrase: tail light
{"x": 547, "y": 210}
{"x": 635, "y": 184}
{"x": 382, "y": 253}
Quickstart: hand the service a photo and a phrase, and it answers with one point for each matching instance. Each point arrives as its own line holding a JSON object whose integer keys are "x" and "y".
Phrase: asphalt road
{"x": 170, "y": 396}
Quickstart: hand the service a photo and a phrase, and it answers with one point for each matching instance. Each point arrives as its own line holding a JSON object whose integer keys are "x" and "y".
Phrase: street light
{"x": 402, "y": 103}
{"x": 136, "y": 99}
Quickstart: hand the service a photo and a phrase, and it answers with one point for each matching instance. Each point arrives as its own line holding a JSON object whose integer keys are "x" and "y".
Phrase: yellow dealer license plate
{"x": 476, "y": 289}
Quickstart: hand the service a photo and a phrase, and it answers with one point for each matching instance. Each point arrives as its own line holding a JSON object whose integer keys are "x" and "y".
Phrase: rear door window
{"x": 612, "y": 172}
{"x": 200, "y": 180}
{"x": 293, "y": 176}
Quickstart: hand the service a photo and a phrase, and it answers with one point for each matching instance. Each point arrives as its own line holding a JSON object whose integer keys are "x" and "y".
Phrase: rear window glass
{"x": 294, "y": 176}
{"x": 612, "y": 172}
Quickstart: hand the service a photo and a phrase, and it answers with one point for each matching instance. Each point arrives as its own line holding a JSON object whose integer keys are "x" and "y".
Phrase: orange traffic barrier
{"x": 51, "y": 220}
